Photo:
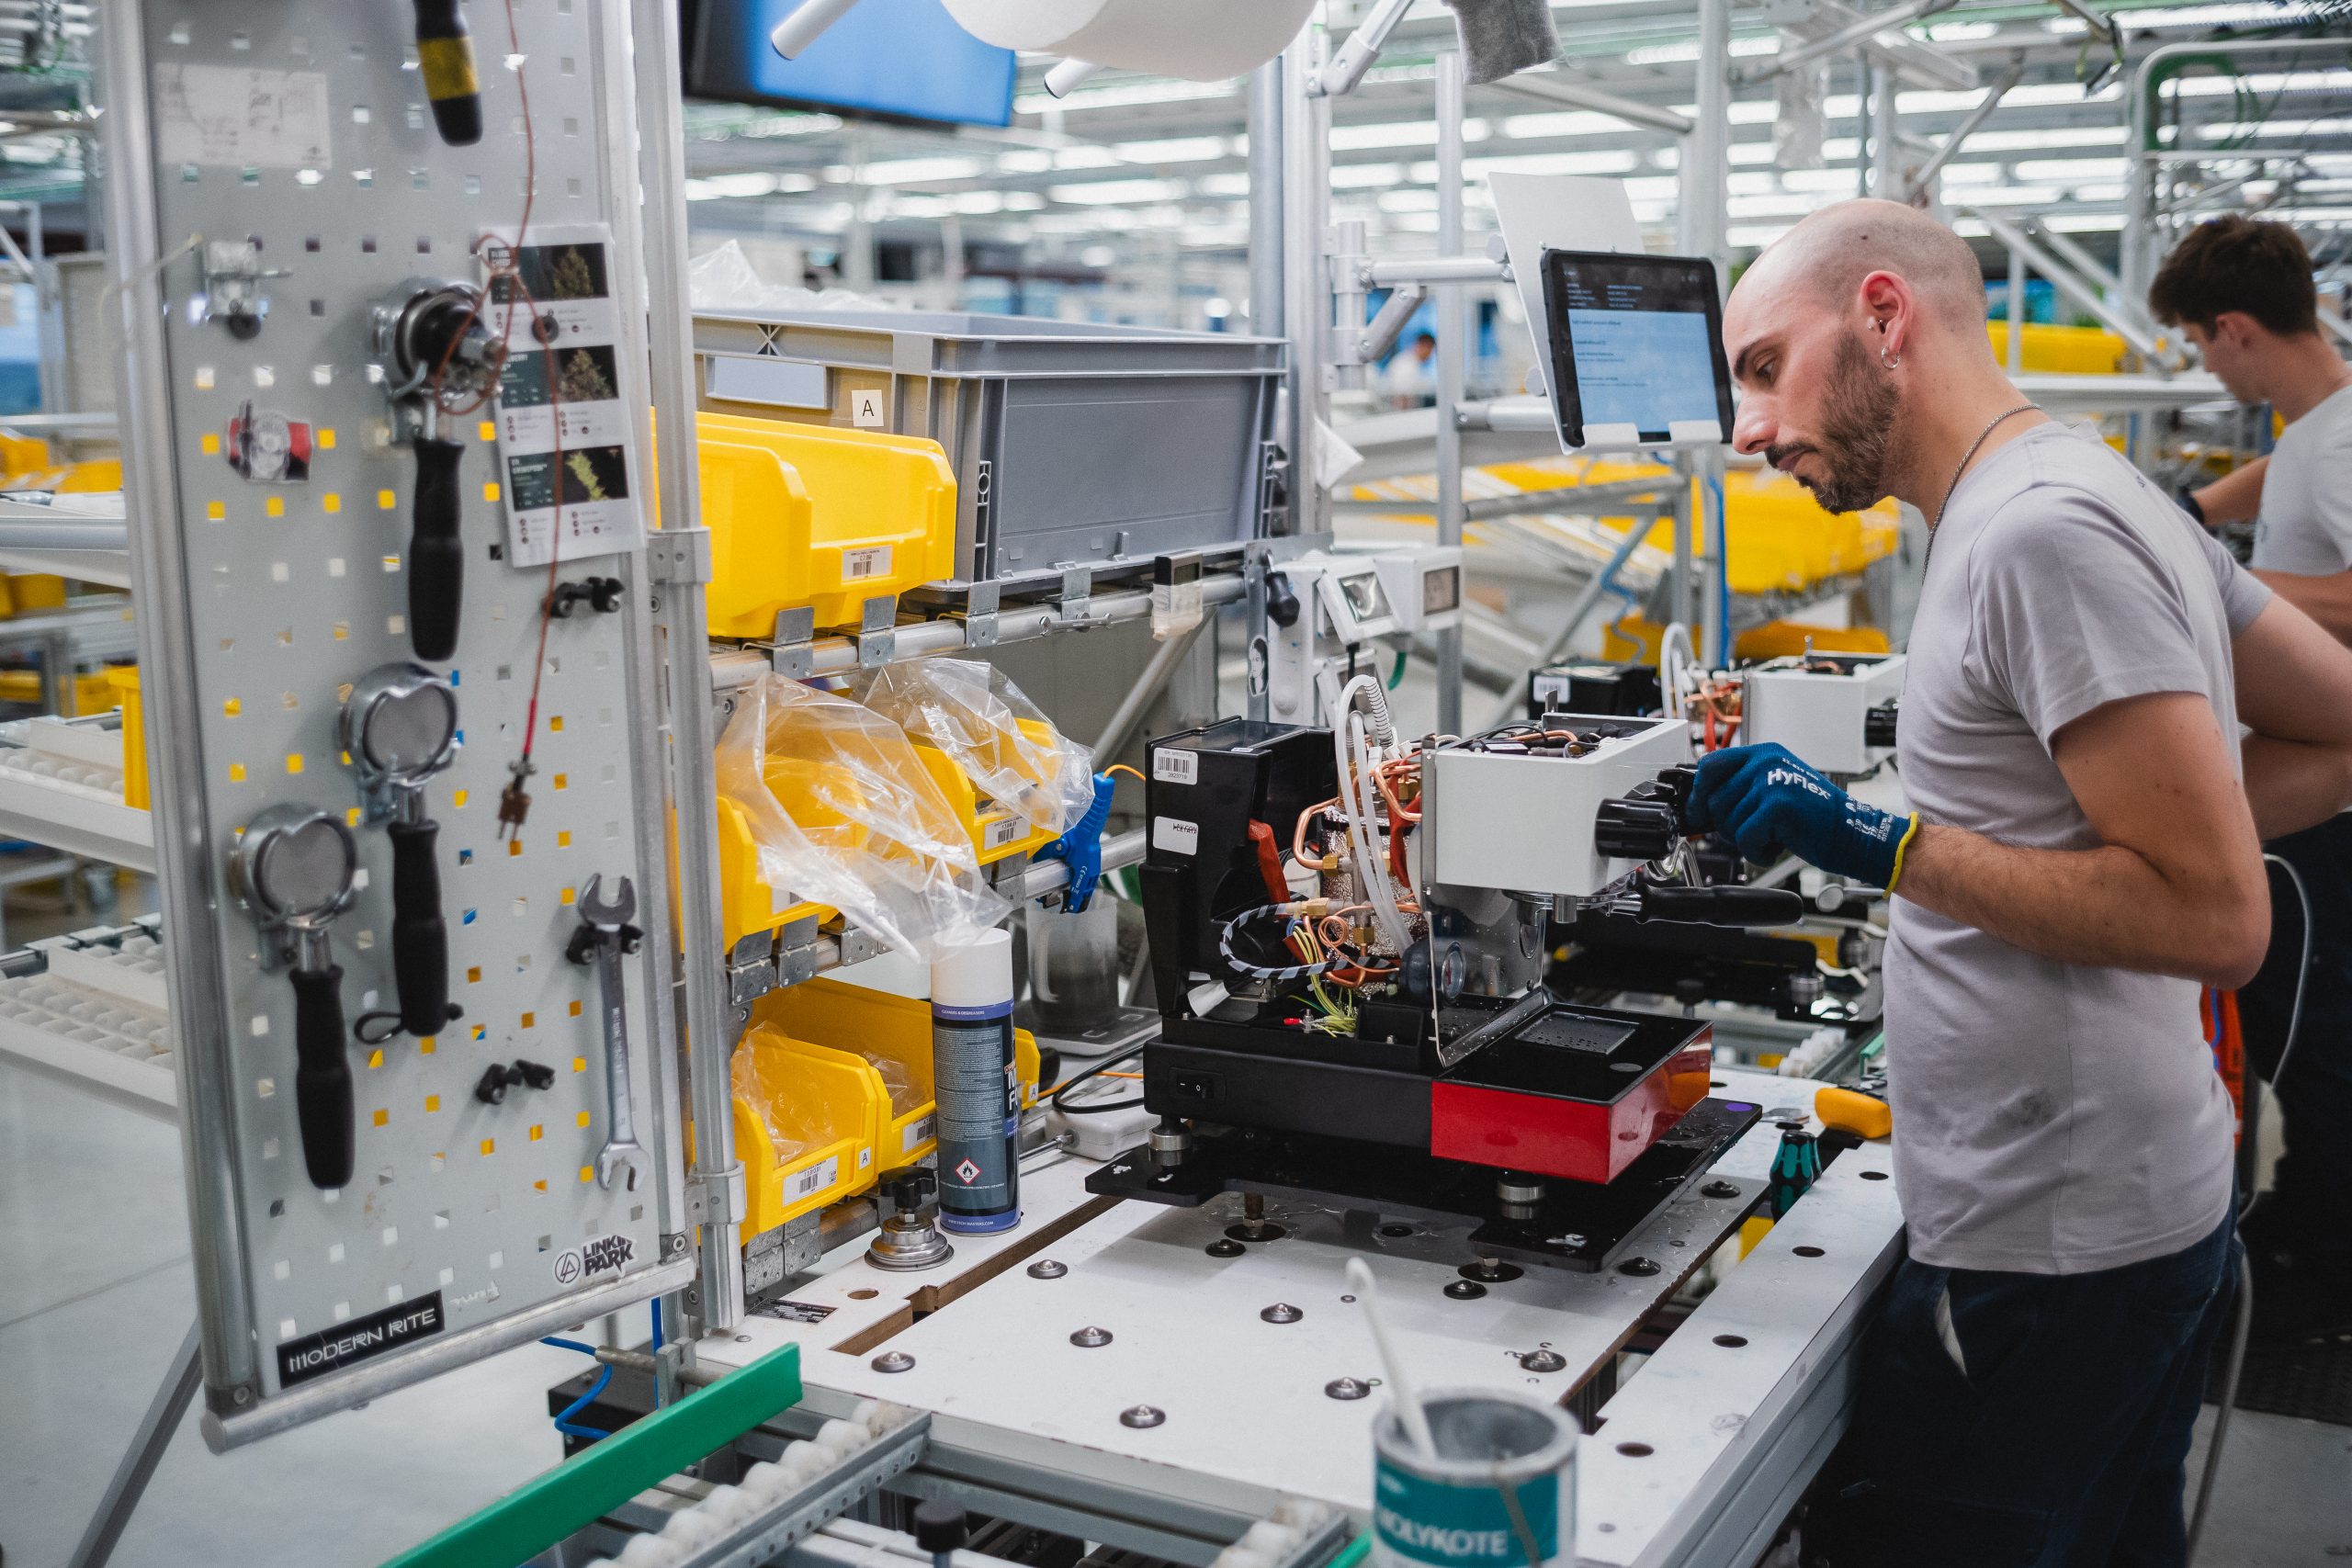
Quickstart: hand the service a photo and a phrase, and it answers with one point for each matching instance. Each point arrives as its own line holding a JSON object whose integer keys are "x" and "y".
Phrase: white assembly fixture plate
{"x": 1246, "y": 1413}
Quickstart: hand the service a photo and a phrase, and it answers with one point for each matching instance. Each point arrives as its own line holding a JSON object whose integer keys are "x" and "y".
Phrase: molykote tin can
{"x": 1499, "y": 1492}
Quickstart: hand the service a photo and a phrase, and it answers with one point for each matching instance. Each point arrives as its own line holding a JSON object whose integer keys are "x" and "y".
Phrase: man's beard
{"x": 1859, "y": 416}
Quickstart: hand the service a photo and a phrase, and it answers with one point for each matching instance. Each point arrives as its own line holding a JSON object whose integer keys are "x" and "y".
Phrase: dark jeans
{"x": 2064, "y": 1442}
{"x": 2312, "y": 1198}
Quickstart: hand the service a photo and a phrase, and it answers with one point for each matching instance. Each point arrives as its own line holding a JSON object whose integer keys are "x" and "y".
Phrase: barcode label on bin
{"x": 919, "y": 1133}
{"x": 813, "y": 1180}
{"x": 1004, "y": 830}
{"x": 873, "y": 560}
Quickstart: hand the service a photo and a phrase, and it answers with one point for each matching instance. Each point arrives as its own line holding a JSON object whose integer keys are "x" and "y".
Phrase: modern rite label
{"x": 362, "y": 1339}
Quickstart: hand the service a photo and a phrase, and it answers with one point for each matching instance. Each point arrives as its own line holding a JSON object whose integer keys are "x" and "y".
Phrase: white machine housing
{"x": 1347, "y": 601}
{"x": 1820, "y": 714}
{"x": 1523, "y": 822}
{"x": 1423, "y": 582}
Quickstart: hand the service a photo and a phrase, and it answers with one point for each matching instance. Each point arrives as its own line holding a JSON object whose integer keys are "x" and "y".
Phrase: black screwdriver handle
{"x": 420, "y": 936}
{"x": 445, "y": 58}
{"x": 322, "y": 1077}
{"x": 437, "y": 561}
{"x": 1721, "y": 906}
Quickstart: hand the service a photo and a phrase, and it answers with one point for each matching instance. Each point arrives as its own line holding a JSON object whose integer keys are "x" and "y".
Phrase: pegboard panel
{"x": 302, "y": 129}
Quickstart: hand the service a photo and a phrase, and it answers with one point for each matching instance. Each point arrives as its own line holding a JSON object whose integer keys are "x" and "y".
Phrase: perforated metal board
{"x": 291, "y": 591}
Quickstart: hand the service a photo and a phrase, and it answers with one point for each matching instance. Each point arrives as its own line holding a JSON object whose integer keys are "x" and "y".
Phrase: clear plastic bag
{"x": 724, "y": 279}
{"x": 904, "y": 1096}
{"x": 762, "y": 1079}
{"x": 1008, "y": 749}
{"x": 842, "y": 812}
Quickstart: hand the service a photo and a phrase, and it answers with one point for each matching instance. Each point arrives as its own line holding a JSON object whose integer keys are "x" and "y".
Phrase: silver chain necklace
{"x": 1967, "y": 458}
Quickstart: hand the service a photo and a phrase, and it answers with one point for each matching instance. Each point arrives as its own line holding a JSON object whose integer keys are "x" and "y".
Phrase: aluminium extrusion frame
{"x": 1305, "y": 167}
{"x": 2139, "y": 268}
{"x": 151, "y": 489}
{"x": 716, "y": 1185}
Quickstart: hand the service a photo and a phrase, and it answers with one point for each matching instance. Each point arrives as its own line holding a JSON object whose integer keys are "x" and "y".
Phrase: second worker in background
{"x": 2241, "y": 290}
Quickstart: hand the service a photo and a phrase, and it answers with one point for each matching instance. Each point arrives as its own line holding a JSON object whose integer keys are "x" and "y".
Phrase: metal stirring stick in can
{"x": 399, "y": 729}
{"x": 294, "y": 867}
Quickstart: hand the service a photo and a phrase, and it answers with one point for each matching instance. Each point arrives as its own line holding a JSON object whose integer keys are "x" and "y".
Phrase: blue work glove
{"x": 1081, "y": 847}
{"x": 1766, "y": 801}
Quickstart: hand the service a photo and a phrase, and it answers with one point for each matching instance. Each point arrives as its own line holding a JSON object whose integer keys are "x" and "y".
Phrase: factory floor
{"x": 95, "y": 1294}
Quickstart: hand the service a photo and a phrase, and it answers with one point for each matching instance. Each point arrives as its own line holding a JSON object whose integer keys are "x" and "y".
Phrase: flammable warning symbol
{"x": 967, "y": 1172}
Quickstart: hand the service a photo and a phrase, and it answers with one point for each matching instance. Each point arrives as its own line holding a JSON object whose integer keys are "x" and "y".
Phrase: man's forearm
{"x": 2325, "y": 598}
{"x": 2107, "y": 906}
{"x": 2236, "y": 496}
{"x": 2293, "y": 787}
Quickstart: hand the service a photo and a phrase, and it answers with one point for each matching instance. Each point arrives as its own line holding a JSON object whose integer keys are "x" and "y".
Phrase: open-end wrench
{"x": 605, "y": 937}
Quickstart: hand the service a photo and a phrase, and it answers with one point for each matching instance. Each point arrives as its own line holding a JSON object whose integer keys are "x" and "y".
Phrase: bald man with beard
{"x": 2084, "y": 854}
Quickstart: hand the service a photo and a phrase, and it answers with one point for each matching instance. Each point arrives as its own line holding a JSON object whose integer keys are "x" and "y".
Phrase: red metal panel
{"x": 1576, "y": 1139}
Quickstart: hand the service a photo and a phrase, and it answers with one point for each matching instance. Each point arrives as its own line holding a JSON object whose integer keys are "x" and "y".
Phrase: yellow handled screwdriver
{"x": 445, "y": 57}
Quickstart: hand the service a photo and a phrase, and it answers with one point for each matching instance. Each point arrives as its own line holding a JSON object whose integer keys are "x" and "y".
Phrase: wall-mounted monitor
{"x": 903, "y": 59}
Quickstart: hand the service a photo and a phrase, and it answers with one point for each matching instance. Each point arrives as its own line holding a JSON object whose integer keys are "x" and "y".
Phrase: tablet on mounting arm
{"x": 1636, "y": 350}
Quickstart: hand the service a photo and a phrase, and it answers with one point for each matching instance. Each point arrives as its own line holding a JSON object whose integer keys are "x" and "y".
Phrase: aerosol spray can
{"x": 1499, "y": 1492}
{"x": 978, "y": 1087}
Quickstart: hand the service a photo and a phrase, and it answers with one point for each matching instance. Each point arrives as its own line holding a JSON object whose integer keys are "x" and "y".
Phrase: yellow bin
{"x": 833, "y": 1103}
{"x": 997, "y": 831}
{"x": 746, "y": 904}
{"x": 886, "y": 1030}
{"x": 806, "y": 515}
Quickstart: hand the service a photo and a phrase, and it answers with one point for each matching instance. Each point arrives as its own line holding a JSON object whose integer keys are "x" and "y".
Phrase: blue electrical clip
{"x": 1081, "y": 849}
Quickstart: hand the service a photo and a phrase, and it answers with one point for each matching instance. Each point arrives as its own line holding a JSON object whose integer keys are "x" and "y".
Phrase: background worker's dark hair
{"x": 2238, "y": 263}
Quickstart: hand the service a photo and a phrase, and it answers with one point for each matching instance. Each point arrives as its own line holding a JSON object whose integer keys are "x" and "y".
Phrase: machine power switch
{"x": 1193, "y": 1085}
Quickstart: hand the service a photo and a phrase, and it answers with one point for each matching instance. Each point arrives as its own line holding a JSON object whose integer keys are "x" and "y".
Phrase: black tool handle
{"x": 323, "y": 1076}
{"x": 437, "y": 562}
{"x": 420, "y": 937}
{"x": 1721, "y": 906}
{"x": 445, "y": 57}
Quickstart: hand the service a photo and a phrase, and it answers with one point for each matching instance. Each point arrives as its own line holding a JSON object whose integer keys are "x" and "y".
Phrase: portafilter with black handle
{"x": 294, "y": 867}
{"x": 399, "y": 729}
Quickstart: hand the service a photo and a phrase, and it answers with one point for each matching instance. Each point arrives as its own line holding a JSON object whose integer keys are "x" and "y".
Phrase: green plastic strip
{"x": 593, "y": 1483}
{"x": 1352, "y": 1553}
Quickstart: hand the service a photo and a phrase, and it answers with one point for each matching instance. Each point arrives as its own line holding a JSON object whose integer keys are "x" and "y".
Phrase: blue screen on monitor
{"x": 904, "y": 59}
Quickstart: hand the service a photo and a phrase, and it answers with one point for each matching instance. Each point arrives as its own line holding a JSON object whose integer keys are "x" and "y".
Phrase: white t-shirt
{"x": 2306, "y": 521}
{"x": 2051, "y": 1118}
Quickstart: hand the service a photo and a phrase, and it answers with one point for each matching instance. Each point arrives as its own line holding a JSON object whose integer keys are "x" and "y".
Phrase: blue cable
{"x": 1720, "y": 526}
{"x": 657, "y": 1349}
{"x": 563, "y": 1422}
